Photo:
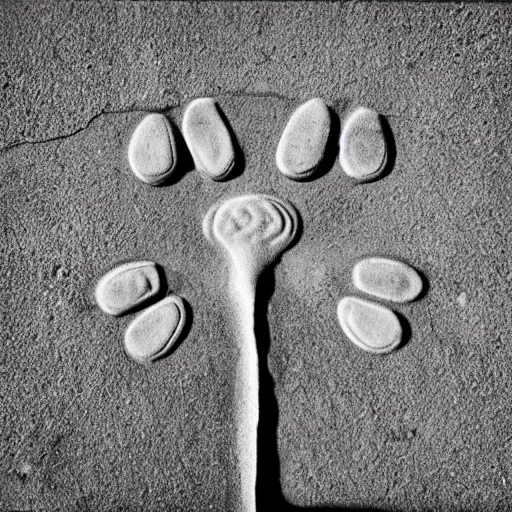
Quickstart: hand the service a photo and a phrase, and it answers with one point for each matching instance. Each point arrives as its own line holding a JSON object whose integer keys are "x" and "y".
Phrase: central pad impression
{"x": 254, "y": 230}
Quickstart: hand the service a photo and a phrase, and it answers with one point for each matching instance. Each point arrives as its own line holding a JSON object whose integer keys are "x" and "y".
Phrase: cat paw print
{"x": 251, "y": 232}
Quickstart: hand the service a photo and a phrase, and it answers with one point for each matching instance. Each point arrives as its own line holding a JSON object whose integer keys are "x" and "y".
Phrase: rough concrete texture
{"x": 82, "y": 427}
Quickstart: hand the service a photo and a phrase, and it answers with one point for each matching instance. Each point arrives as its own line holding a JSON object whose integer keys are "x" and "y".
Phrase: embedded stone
{"x": 208, "y": 139}
{"x": 387, "y": 279}
{"x": 152, "y": 150}
{"x": 369, "y": 326}
{"x": 155, "y": 331}
{"x": 302, "y": 146}
{"x": 127, "y": 287}
{"x": 363, "y": 146}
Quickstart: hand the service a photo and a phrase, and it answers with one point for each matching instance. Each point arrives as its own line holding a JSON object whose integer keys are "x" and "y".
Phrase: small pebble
{"x": 302, "y": 145}
{"x": 152, "y": 150}
{"x": 462, "y": 299}
{"x": 208, "y": 139}
{"x": 153, "y": 333}
{"x": 127, "y": 287}
{"x": 387, "y": 279}
{"x": 363, "y": 147}
{"x": 370, "y": 326}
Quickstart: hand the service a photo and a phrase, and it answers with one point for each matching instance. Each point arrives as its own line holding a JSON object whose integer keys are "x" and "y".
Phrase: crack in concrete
{"x": 228, "y": 95}
{"x": 13, "y": 145}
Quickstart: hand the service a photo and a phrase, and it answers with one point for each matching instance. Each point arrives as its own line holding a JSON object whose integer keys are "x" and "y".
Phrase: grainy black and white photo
{"x": 255, "y": 256}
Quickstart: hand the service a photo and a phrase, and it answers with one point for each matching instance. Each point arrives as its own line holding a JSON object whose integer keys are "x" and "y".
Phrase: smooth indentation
{"x": 302, "y": 145}
{"x": 387, "y": 279}
{"x": 370, "y": 326}
{"x": 152, "y": 150}
{"x": 208, "y": 139}
{"x": 363, "y": 147}
{"x": 154, "y": 332}
{"x": 127, "y": 287}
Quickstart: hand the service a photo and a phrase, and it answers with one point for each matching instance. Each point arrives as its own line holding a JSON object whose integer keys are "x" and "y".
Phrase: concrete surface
{"x": 82, "y": 427}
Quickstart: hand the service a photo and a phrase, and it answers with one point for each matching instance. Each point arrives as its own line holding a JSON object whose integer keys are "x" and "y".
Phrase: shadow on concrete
{"x": 269, "y": 496}
{"x": 391, "y": 152}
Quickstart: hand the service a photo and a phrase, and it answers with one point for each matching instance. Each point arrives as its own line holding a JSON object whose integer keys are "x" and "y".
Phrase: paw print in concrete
{"x": 251, "y": 231}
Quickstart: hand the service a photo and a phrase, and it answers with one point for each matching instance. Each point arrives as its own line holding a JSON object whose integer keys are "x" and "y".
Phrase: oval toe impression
{"x": 387, "y": 279}
{"x": 154, "y": 332}
{"x": 363, "y": 146}
{"x": 370, "y": 326}
{"x": 152, "y": 150}
{"x": 302, "y": 146}
{"x": 127, "y": 287}
{"x": 208, "y": 139}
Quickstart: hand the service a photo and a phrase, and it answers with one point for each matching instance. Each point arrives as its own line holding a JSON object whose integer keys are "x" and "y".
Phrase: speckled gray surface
{"x": 427, "y": 427}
